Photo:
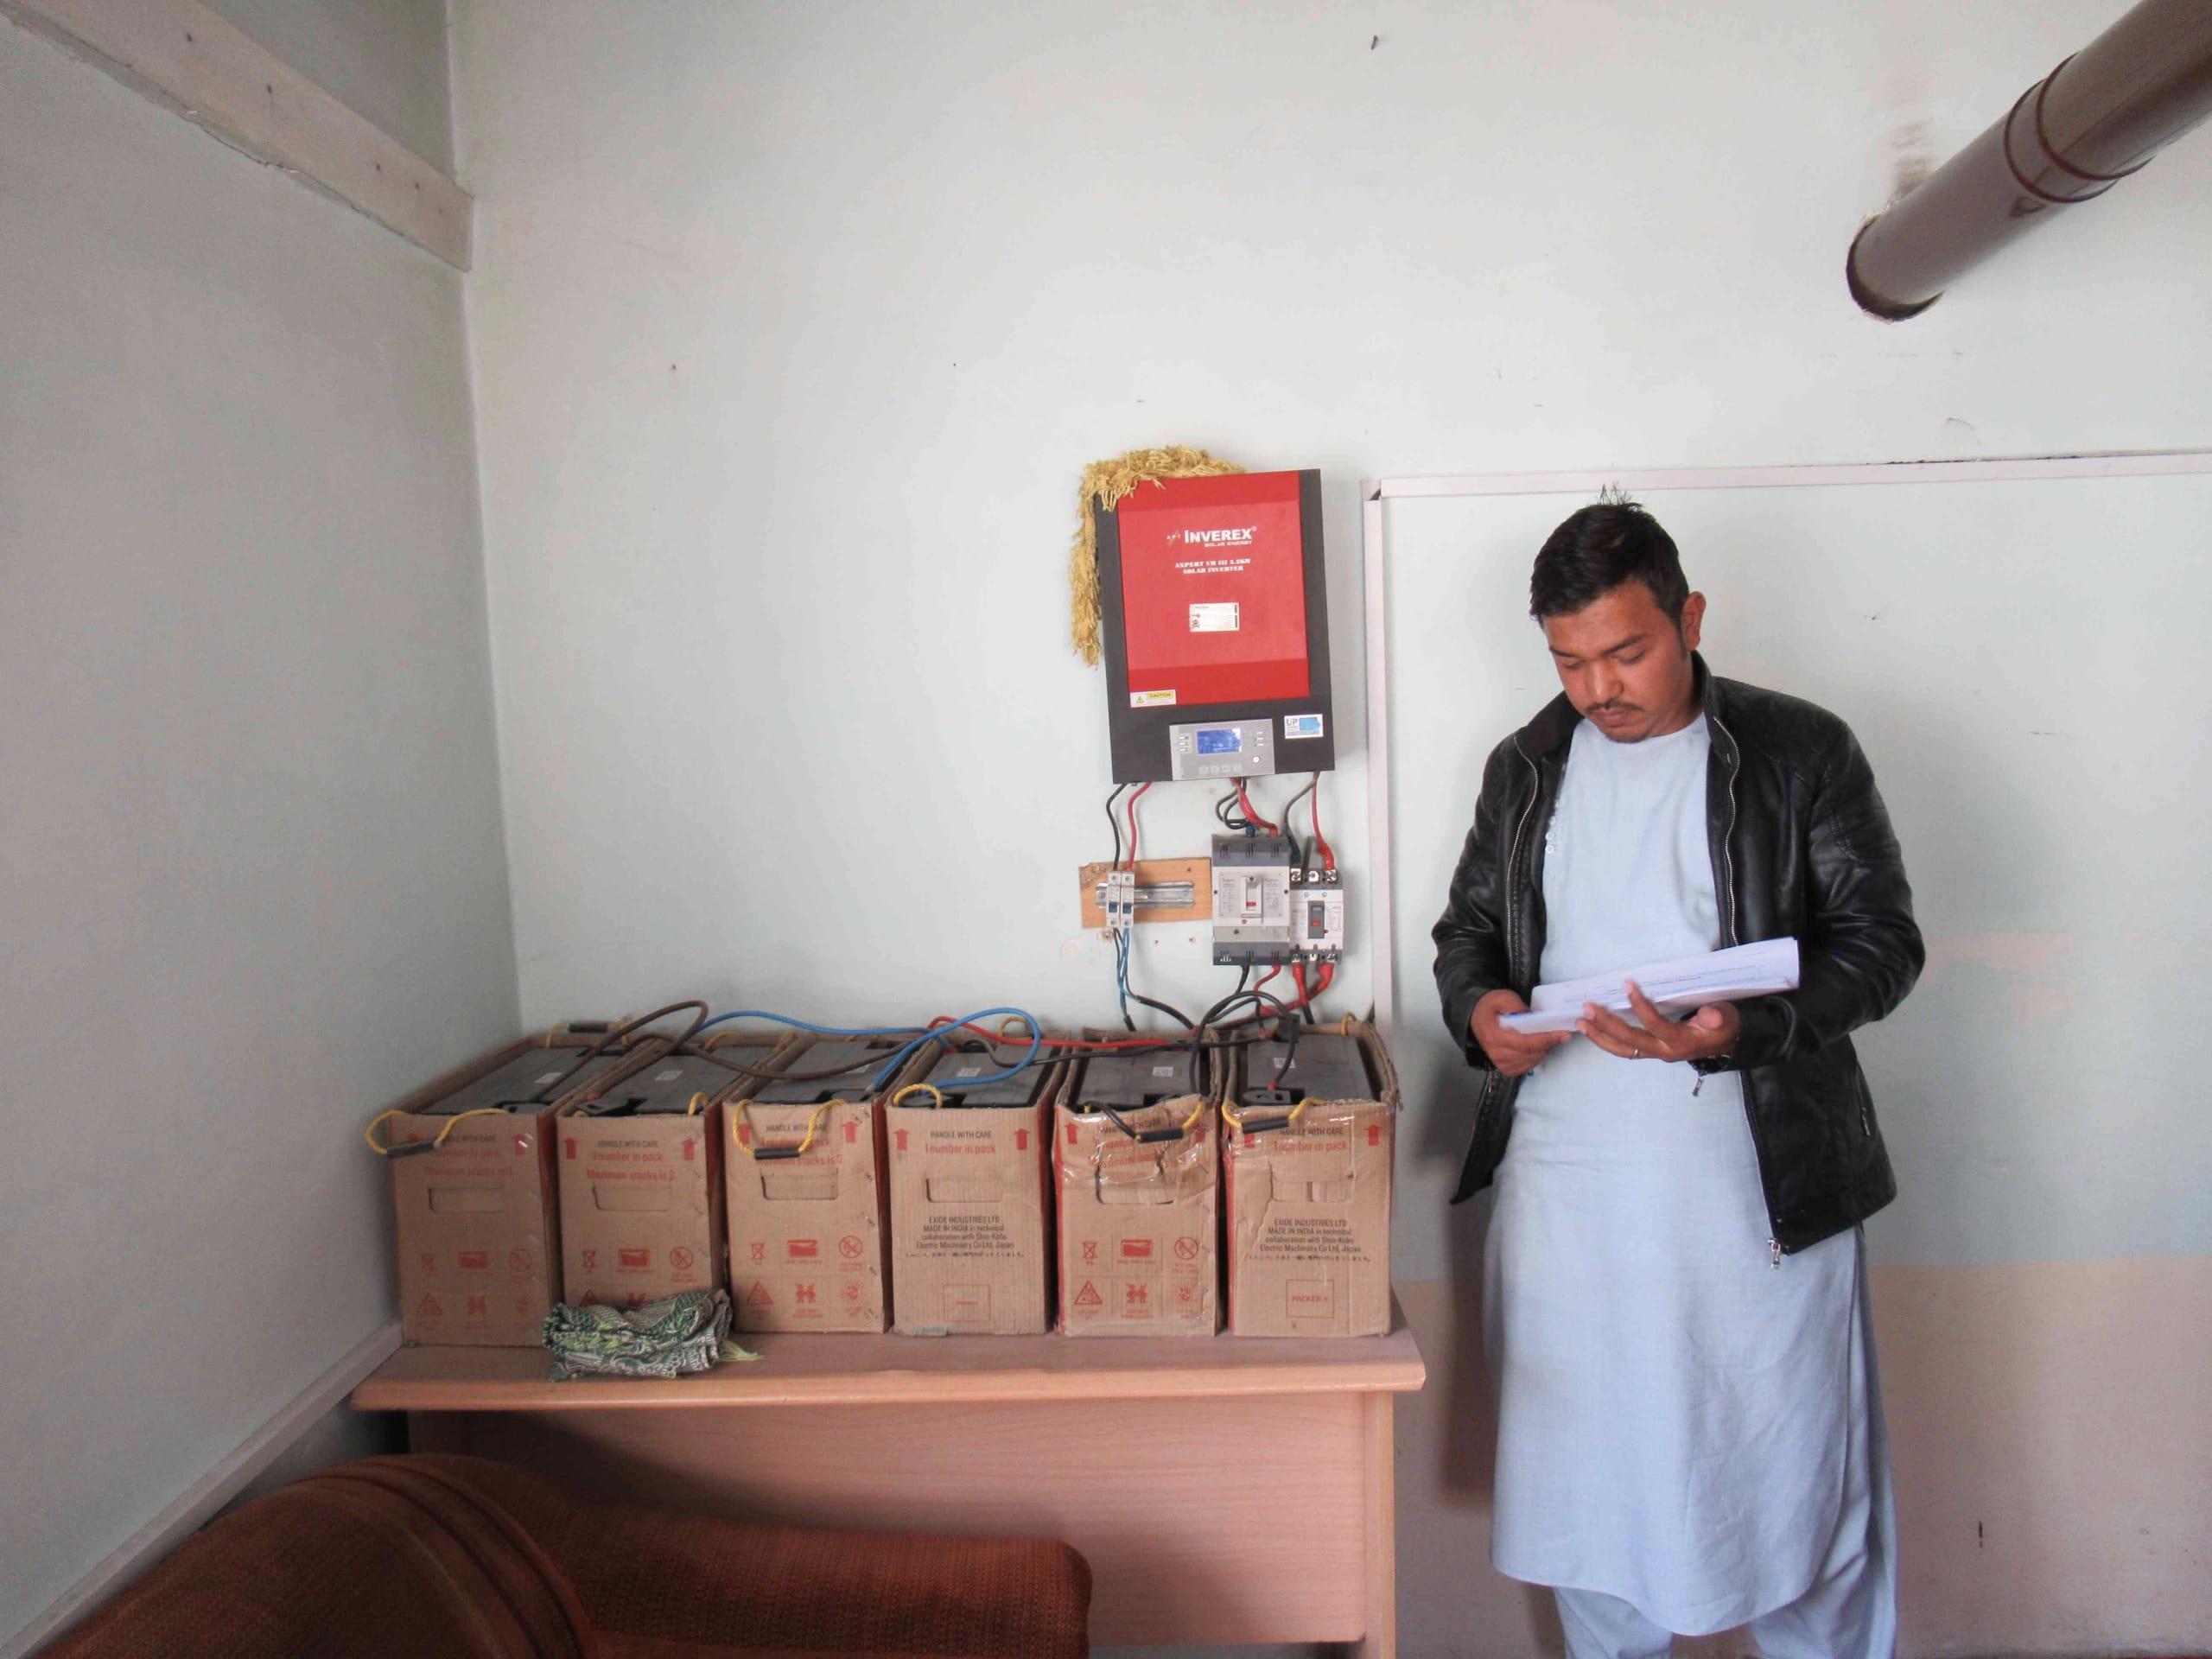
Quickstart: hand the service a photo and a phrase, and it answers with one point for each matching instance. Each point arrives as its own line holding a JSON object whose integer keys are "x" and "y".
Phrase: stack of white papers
{"x": 1756, "y": 970}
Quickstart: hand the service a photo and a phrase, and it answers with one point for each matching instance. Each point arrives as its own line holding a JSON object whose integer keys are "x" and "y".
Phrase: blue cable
{"x": 944, "y": 1034}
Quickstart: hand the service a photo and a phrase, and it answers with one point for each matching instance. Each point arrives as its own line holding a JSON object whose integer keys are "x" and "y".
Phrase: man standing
{"x": 1689, "y": 1426}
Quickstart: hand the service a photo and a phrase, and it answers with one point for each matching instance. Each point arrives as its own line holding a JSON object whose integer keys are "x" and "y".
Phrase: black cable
{"x": 867, "y": 1064}
{"x": 1121, "y": 937}
{"x": 1121, "y": 978}
{"x": 1176, "y": 1014}
{"x": 1243, "y": 978}
{"x": 1297, "y": 847}
{"x": 1164, "y": 1045}
{"x": 619, "y": 1033}
{"x": 1116, "y": 822}
{"x": 1283, "y": 1013}
{"x": 1124, "y": 951}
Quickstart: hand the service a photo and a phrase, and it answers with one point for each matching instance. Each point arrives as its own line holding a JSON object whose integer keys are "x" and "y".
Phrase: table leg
{"x": 1381, "y": 1639}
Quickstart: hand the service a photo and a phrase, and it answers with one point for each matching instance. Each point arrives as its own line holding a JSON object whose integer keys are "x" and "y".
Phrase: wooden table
{"x": 1238, "y": 1490}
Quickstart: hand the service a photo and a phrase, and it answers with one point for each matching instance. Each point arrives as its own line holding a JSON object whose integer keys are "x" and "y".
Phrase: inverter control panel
{"x": 1214, "y": 607}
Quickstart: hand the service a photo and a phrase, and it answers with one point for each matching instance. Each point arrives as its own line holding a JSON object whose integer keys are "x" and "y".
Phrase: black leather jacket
{"x": 1801, "y": 846}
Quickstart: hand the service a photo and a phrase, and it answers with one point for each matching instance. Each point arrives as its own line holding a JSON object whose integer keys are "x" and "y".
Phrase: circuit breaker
{"x": 1317, "y": 918}
{"x": 1267, "y": 910}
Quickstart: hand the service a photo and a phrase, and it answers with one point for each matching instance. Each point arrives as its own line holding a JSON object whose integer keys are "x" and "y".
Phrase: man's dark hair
{"x": 1598, "y": 547}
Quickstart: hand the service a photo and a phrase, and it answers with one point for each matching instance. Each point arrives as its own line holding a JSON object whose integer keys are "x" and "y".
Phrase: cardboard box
{"x": 1139, "y": 1219}
{"x": 641, "y": 1180}
{"x": 1309, "y": 1199}
{"x": 970, "y": 1206}
{"x": 478, "y": 1231}
{"x": 808, "y": 1230}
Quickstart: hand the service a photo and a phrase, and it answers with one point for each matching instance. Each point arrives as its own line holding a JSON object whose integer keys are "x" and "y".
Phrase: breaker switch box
{"x": 1251, "y": 900}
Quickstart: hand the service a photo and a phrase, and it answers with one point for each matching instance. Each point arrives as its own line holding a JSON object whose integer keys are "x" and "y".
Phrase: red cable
{"x": 1325, "y": 972}
{"x": 1328, "y": 857}
{"x": 944, "y": 1023}
{"x": 1321, "y": 983}
{"x": 1251, "y": 812}
{"x": 1133, "y": 799}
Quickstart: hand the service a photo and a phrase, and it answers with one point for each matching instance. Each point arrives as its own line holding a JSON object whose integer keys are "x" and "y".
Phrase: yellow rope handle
{"x": 1343, "y": 1026}
{"x": 698, "y": 1100}
{"x": 813, "y": 1122}
{"x": 919, "y": 1088}
{"x": 369, "y": 1134}
{"x": 1184, "y": 1127}
{"x": 1296, "y": 1112}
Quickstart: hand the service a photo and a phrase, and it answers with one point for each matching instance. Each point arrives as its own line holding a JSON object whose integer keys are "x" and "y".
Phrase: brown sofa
{"x": 434, "y": 1555}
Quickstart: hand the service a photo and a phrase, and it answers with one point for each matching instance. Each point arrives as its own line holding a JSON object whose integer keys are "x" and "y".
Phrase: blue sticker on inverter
{"x": 1301, "y": 725}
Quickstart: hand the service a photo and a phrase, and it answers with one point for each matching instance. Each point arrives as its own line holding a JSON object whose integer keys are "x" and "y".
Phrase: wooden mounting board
{"x": 1151, "y": 873}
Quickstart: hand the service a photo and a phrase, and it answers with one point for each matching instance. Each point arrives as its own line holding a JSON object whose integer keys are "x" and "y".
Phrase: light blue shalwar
{"x": 1689, "y": 1437}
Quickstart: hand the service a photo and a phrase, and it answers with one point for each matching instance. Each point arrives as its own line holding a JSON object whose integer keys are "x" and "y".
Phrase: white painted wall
{"x": 251, "y": 883}
{"x": 794, "y": 326}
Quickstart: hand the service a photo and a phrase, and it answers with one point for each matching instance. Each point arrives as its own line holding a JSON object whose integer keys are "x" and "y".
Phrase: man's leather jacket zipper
{"x": 1728, "y": 938}
{"x": 1495, "y": 1084}
{"x": 1513, "y": 865}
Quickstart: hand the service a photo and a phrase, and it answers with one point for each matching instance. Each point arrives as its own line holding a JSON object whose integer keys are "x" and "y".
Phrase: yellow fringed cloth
{"x": 1106, "y": 482}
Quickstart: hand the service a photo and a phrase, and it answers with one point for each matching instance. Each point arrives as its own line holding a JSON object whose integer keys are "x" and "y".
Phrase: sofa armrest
{"x": 658, "y": 1576}
{"x": 732, "y": 1583}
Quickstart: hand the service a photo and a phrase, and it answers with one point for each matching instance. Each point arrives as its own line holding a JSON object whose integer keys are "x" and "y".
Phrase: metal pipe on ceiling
{"x": 2099, "y": 116}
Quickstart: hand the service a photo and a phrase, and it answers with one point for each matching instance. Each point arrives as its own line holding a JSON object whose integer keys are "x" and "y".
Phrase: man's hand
{"x": 1712, "y": 1030}
{"x": 1511, "y": 1052}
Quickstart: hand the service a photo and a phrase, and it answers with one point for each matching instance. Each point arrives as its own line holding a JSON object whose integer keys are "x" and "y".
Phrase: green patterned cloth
{"x": 673, "y": 1337}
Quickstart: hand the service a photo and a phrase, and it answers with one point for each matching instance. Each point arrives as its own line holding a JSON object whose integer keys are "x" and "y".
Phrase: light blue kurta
{"x": 1681, "y": 1423}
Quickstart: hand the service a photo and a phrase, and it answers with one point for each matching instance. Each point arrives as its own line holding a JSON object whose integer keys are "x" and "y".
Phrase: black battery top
{"x": 861, "y": 1057}
{"x": 668, "y": 1086}
{"x": 520, "y": 1082}
{"x": 949, "y": 1077}
{"x": 1327, "y": 1065}
{"x": 1128, "y": 1082}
